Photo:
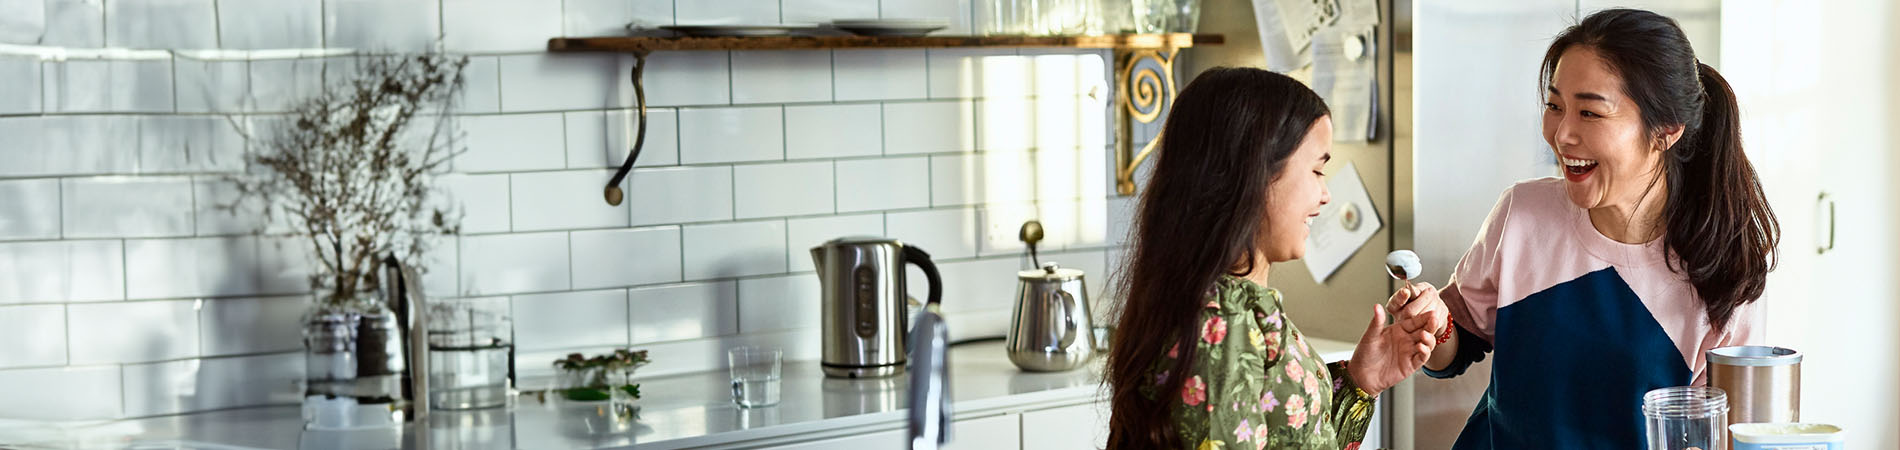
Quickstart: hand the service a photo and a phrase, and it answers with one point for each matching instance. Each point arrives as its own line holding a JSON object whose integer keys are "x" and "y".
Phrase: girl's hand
{"x": 1388, "y": 353}
{"x": 1420, "y": 300}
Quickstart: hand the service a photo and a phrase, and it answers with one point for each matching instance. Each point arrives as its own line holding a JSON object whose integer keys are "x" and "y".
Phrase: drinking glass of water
{"x": 755, "y": 376}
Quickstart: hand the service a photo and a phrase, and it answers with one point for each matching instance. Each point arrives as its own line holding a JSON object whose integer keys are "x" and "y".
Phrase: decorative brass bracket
{"x": 1142, "y": 99}
{"x": 612, "y": 193}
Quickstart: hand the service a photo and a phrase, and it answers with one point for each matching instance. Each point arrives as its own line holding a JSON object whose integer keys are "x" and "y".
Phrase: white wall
{"x": 122, "y": 293}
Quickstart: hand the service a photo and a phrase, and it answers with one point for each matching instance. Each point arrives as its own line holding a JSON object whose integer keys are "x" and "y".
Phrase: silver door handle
{"x": 1823, "y": 200}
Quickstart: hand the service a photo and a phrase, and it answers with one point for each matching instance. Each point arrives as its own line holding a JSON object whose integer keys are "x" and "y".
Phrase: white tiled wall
{"x": 125, "y": 291}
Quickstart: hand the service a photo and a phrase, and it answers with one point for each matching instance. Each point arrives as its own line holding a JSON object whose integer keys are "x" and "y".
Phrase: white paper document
{"x": 1343, "y": 226}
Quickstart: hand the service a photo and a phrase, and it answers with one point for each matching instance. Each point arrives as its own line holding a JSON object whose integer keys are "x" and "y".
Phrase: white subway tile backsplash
{"x": 715, "y": 135}
{"x": 279, "y": 84}
{"x": 929, "y": 127}
{"x": 688, "y": 78}
{"x": 85, "y": 144}
{"x": 187, "y": 24}
{"x": 563, "y": 200}
{"x": 236, "y": 326}
{"x": 62, "y": 393}
{"x": 956, "y": 11}
{"x": 734, "y": 249}
{"x": 75, "y": 23}
{"x": 440, "y": 266}
{"x": 212, "y": 383}
{"x": 23, "y": 76}
{"x": 195, "y": 267}
{"x": 1002, "y": 224}
{"x": 108, "y": 86}
{"x": 211, "y": 86}
{"x": 697, "y": 355}
{"x": 804, "y": 233}
{"x": 570, "y": 319}
{"x": 481, "y": 88}
{"x": 680, "y": 194}
{"x": 126, "y": 207}
{"x": 1011, "y": 124}
{"x": 482, "y": 200}
{"x": 779, "y": 303}
{"x": 878, "y": 184}
{"x": 727, "y": 12}
{"x": 381, "y": 26}
{"x": 971, "y": 296}
{"x": 270, "y": 24}
{"x": 122, "y": 332}
{"x": 180, "y": 144}
{"x": 685, "y": 311}
{"x": 513, "y": 142}
{"x": 549, "y": 81}
{"x": 584, "y": 18}
{"x": 510, "y": 263}
{"x": 602, "y": 139}
{"x": 56, "y": 271}
{"x": 994, "y": 177}
{"x": 824, "y": 11}
{"x": 36, "y": 335}
{"x": 880, "y": 74}
{"x": 781, "y": 76}
{"x": 29, "y": 209}
{"x": 499, "y": 25}
{"x": 284, "y": 264}
{"x": 969, "y": 73}
{"x": 946, "y": 233}
{"x": 784, "y": 189}
{"x": 832, "y": 131}
{"x": 613, "y": 258}
{"x": 24, "y": 22}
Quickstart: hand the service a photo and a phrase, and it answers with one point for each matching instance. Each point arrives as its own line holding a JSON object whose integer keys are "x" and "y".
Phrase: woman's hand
{"x": 1388, "y": 353}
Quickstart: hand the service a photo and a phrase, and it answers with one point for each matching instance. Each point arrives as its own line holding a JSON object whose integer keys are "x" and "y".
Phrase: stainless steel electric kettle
{"x": 1050, "y": 329}
{"x": 864, "y": 305}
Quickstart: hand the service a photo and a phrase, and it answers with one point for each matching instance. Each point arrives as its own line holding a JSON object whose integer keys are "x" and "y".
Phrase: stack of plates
{"x": 890, "y": 27}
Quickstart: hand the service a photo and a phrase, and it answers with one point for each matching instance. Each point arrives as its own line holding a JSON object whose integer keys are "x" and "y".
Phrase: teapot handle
{"x": 1065, "y": 321}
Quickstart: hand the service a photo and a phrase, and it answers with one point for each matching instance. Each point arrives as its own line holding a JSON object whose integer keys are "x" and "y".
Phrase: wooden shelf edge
{"x": 639, "y": 44}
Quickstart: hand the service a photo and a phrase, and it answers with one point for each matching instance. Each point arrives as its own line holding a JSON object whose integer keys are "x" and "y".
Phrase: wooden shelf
{"x": 647, "y": 44}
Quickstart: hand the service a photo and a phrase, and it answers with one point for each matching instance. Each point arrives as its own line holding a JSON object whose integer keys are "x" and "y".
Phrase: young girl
{"x": 1206, "y": 356}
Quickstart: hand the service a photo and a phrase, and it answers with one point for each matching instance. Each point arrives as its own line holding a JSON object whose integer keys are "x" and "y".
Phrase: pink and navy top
{"x": 1580, "y": 326}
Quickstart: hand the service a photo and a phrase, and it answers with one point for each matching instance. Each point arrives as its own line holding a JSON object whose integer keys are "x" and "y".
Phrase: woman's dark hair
{"x": 1716, "y": 220}
{"x": 1230, "y": 132}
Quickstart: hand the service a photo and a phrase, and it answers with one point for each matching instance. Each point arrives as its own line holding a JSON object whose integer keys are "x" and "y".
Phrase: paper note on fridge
{"x": 1343, "y": 226}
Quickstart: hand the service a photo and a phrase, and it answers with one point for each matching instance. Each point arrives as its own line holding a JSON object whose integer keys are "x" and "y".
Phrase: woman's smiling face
{"x": 1597, "y": 132}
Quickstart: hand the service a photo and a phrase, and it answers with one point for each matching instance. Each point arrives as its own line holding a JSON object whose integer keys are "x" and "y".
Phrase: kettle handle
{"x": 914, "y": 255}
{"x": 1066, "y": 320}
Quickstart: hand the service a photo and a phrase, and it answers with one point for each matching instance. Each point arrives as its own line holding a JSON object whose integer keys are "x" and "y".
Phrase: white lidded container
{"x": 1787, "y": 436}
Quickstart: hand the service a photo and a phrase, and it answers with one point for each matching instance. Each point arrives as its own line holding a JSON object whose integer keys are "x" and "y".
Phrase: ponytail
{"x": 1717, "y": 219}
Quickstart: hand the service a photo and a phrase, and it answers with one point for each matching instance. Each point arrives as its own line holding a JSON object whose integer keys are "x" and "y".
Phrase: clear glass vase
{"x": 471, "y": 353}
{"x": 353, "y": 364}
{"x": 1167, "y": 16}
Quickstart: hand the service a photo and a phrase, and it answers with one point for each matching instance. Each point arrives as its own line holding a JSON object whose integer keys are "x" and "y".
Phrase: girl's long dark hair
{"x": 1716, "y": 219}
{"x": 1230, "y": 132}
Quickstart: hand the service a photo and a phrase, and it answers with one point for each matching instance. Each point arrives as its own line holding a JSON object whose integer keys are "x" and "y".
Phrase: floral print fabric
{"x": 1256, "y": 384}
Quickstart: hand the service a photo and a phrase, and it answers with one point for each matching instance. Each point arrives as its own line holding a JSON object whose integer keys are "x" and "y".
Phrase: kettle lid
{"x": 860, "y": 240}
{"x": 1050, "y": 271}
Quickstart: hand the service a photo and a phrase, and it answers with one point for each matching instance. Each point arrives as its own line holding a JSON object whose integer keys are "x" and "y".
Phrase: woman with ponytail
{"x": 1591, "y": 289}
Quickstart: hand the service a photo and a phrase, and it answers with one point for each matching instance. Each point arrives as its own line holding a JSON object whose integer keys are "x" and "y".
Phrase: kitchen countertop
{"x": 691, "y": 410}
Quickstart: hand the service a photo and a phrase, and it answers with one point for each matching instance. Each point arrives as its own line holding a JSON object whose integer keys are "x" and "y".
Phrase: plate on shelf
{"x": 890, "y": 27}
{"x": 739, "y": 30}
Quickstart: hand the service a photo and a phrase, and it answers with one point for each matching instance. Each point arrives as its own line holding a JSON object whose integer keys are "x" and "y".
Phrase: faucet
{"x": 929, "y": 390}
{"x": 402, "y": 286}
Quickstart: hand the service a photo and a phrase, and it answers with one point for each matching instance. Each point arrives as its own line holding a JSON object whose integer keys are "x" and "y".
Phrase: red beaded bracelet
{"x": 1445, "y": 335}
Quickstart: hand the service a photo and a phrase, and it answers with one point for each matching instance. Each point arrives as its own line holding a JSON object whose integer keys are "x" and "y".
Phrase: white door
{"x": 1818, "y": 114}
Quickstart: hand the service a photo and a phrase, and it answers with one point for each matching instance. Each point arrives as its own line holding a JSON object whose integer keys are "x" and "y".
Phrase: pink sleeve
{"x": 1472, "y": 293}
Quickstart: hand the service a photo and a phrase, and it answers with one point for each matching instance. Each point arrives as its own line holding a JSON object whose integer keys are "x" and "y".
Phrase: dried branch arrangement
{"x": 350, "y": 169}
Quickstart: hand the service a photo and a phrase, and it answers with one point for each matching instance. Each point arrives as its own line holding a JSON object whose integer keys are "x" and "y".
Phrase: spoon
{"x": 1031, "y": 233}
{"x": 1402, "y": 265}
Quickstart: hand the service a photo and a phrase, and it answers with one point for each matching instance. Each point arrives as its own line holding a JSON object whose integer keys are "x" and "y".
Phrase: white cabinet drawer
{"x": 1070, "y": 427}
{"x": 1002, "y": 432}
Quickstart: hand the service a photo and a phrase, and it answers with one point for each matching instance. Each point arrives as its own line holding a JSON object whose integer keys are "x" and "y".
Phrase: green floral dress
{"x": 1257, "y": 384}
